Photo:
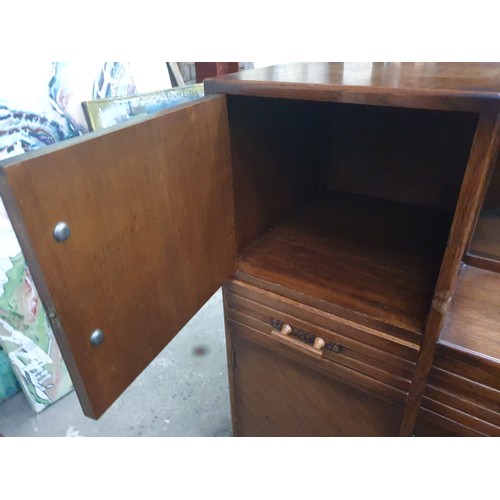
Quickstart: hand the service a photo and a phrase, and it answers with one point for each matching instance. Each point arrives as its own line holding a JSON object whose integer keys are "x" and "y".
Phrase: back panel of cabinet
{"x": 406, "y": 155}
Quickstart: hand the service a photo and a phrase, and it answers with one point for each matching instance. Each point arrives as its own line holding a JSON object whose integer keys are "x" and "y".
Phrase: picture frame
{"x": 103, "y": 113}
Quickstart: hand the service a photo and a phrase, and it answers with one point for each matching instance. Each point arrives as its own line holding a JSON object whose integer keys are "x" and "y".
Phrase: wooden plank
{"x": 473, "y": 322}
{"x": 461, "y": 383}
{"x": 413, "y": 156}
{"x": 152, "y": 237}
{"x": 373, "y": 367}
{"x": 377, "y": 258}
{"x": 455, "y": 415}
{"x": 341, "y": 372}
{"x": 482, "y": 158}
{"x": 442, "y": 425}
{"x": 323, "y": 319}
{"x": 466, "y": 405}
{"x": 278, "y": 395}
{"x": 485, "y": 245}
{"x": 231, "y": 361}
{"x": 360, "y": 340}
{"x": 446, "y": 86}
{"x": 466, "y": 363}
{"x": 277, "y": 160}
{"x": 482, "y": 262}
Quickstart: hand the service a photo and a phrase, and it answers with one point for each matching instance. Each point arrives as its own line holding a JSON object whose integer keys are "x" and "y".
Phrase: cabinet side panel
{"x": 278, "y": 153}
{"x": 150, "y": 208}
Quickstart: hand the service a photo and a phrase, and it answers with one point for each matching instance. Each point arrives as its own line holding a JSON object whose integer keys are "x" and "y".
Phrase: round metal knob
{"x": 61, "y": 232}
{"x": 97, "y": 337}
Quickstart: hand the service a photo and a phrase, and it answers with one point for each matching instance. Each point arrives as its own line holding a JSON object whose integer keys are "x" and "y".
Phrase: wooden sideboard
{"x": 351, "y": 213}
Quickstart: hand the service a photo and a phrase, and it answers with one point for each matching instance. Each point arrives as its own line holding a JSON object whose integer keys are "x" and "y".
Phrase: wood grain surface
{"x": 453, "y": 396}
{"x": 408, "y": 155}
{"x": 482, "y": 159}
{"x": 380, "y": 364}
{"x": 484, "y": 250}
{"x": 473, "y": 321}
{"x": 425, "y": 428}
{"x": 277, "y": 151}
{"x": 377, "y": 258}
{"x": 264, "y": 306}
{"x": 464, "y": 388}
{"x": 446, "y": 86}
{"x": 279, "y": 396}
{"x": 444, "y": 420}
{"x": 160, "y": 208}
{"x": 150, "y": 207}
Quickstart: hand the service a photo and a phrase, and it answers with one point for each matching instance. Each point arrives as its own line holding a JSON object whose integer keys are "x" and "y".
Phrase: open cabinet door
{"x": 150, "y": 212}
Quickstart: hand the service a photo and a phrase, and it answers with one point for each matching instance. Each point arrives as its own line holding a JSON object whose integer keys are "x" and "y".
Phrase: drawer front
{"x": 274, "y": 395}
{"x": 462, "y": 397}
{"x": 373, "y": 361}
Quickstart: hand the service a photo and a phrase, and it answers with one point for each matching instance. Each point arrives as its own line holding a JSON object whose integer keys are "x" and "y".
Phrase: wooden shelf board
{"x": 374, "y": 257}
{"x": 486, "y": 241}
{"x": 473, "y": 321}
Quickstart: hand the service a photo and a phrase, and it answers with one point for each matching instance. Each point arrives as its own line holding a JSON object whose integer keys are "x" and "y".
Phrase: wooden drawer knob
{"x": 283, "y": 335}
{"x": 319, "y": 343}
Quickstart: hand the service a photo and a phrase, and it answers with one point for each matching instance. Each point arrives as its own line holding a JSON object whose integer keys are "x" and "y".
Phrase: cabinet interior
{"x": 484, "y": 249}
{"x": 348, "y": 204}
{"x": 473, "y": 321}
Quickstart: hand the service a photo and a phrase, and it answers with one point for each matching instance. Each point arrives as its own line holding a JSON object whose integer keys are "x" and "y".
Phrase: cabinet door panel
{"x": 150, "y": 209}
{"x": 277, "y": 396}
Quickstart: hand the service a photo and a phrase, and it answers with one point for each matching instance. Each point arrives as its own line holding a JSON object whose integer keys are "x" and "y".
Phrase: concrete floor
{"x": 183, "y": 392}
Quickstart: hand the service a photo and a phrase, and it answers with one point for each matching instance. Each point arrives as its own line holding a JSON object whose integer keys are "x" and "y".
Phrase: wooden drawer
{"x": 462, "y": 397}
{"x": 373, "y": 361}
{"x": 274, "y": 393}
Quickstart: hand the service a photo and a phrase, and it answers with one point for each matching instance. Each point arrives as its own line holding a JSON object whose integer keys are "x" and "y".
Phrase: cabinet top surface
{"x": 459, "y": 86}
